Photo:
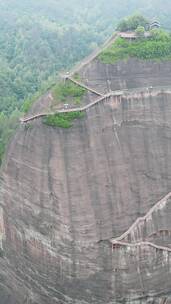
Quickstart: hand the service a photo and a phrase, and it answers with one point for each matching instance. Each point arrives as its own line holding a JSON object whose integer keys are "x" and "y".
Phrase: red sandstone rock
{"x": 66, "y": 193}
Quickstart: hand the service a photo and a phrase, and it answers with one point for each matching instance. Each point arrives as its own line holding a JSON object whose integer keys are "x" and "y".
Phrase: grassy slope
{"x": 158, "y": 47}
{"x": 63, "y": 91}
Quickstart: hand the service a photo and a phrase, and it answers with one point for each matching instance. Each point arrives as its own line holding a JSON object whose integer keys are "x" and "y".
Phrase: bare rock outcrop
{"x": 67, "y": 194}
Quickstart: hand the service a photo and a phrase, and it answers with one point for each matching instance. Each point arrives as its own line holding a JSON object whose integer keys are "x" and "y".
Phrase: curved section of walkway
{"x": 147, "y": 92}
{"x": 139, "y": 244}
{"x": 102, "y": 97}
{"x": 80, "y": 109}
{"x": 119, "y": 240}
{"x": 94, "y": 55}
{"x": 108, "y": 42}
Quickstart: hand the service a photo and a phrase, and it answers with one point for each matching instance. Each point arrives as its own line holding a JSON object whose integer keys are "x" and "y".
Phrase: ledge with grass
{"x": 63, "y": 91}
{"x": 63, "y": 120}
{"x": 155, "y": 47}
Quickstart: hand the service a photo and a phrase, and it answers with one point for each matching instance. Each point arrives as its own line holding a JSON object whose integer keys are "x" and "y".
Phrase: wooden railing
{"x": 79, "y": 109}
{"x": 84, "y": 86}
{"x": 147, "y": 91}
{"x": 120, "y": 240}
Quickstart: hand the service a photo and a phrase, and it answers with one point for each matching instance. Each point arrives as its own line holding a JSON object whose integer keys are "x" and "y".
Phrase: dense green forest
{"x": 40, "y": 38}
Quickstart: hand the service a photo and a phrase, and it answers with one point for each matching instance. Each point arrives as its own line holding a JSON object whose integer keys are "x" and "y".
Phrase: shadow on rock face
{"x": 6, "y": 297}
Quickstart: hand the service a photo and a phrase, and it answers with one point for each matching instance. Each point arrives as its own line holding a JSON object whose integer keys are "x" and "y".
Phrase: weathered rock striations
{"x": 133, "y": 73}
{"x": 66, "y": 194}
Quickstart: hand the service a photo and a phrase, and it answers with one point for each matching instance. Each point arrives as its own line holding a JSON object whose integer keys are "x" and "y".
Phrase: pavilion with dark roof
{"x": 155, "y": 25}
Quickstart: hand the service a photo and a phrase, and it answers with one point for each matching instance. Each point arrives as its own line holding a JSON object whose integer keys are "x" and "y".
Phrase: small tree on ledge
{"x": 131, "y": 23}
{"x": 140, "y": 31}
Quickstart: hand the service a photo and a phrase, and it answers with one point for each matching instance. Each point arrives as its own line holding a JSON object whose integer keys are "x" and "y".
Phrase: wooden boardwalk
{"x": 120, "y": 240}
{"x": 79, "y": 109}
{"x": 146, "y": 92}
{"x": 84, "y": 86}
{"x": 69, "y": 77}
{"x": 94, "y": 54}
{"x": 108, "y": 42}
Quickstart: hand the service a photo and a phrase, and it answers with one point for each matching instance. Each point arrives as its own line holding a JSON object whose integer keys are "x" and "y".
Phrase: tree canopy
{"x": 133, "y": 22}
{"x": 140, "y": 30}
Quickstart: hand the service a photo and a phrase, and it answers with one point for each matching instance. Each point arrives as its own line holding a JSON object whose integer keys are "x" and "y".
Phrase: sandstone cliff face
{"x": 66, "y": 193}
{"x": 133, "y": 73}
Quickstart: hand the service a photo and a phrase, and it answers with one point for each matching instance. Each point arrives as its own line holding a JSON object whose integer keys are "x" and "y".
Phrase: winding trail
{"x": 144, "y": 243}
{"x": 79, "y": 109}
{"x": 119, "y": 240}
{"x": 108, "y": 42}
{"x": 99, "y": 99}
{"x": 76, "y": 69}
{"x": 84, "y": 86}
{"x": 94, "y": 54}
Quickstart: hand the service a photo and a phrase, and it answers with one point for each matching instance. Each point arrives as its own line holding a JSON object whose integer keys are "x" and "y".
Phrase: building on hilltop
{"x": 131, "y": 36}
{"x": 155, "y": 25}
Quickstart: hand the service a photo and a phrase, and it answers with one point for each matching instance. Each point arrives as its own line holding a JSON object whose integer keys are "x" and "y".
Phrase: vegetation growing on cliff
{"x": 132, "y": 23}
{"x": 39, "y": 38}
{"x": 63, "y": 91}
{"x": 63, "y": 120}
{"x": 156, "y": 47}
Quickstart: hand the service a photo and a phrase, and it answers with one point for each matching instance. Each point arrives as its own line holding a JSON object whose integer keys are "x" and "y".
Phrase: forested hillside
{"x": 39, "y": 38}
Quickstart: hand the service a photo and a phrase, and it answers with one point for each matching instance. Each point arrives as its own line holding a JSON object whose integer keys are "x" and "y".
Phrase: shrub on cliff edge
{"x": 62, "y": 120}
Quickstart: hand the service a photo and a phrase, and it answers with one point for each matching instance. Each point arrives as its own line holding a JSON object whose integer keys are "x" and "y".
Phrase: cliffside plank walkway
{"x": 119, "y": 241}
{"x": 99, "y": 99}
{"x": 83, "y": 86}
{"x": 79, "y": 109}
{"x": 94, "y": 55}
{"x": 69, "y": 77}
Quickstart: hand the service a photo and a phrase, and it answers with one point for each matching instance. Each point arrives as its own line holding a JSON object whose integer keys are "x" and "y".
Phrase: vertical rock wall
{"x": 66, "y": 193}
